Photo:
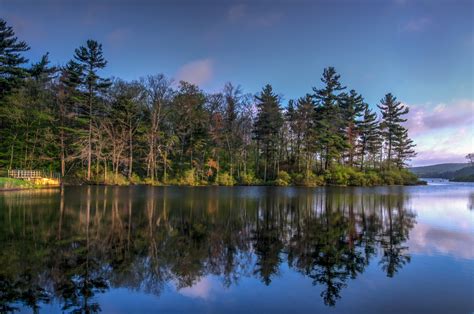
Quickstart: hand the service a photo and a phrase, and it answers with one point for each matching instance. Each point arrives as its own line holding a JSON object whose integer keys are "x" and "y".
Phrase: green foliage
{"x": 283, "y": 179}
{"x": 373, "y": 178}
{"x": 408, "y": 177}
{"x": 337, "y": 175}
{"x": 356, "y": 178}
{"x": 225, "y": 179}
{"x": 310, "y": 180}
{"x": 135, "y": 179}
{"x": 399, "y": 177}
{"x": 249, "y": 179}
{"x": 188, "y": 178}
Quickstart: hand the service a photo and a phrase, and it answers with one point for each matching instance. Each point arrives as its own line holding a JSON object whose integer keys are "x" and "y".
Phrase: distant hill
{"x": 446, "y": 171}
{"x": 464, "y": 175}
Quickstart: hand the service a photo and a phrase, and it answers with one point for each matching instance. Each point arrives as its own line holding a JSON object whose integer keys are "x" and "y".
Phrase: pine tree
{"x": 88, "y": 60}
{"x": 11, "y": 59}
{"x": 305, "y": 112}
{"x": 403, "y": 147}
{"x": 392, "y": 112}
{"x": 352, "y": 107}
{"x": 329, "y": 117}
{"x": 267, "y": 127}
{"x": 369, "y": 136}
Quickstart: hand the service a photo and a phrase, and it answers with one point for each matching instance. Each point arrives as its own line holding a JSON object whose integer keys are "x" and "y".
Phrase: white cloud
{"x": 197, "y": 72}
{"x": 200, "y": 290}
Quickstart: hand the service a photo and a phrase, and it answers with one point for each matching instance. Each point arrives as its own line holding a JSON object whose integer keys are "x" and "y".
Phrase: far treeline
{"x": 93, "y": 129}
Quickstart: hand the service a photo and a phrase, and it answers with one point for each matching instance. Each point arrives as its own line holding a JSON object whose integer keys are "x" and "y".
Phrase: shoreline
{"x": 421, "y": 183}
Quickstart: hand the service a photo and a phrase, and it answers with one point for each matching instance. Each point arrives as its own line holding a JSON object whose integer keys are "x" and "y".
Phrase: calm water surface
{"x": 238, "y": 250}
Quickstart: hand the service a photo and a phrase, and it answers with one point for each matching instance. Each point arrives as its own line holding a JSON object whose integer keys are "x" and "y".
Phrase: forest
{"x": 93, "y": 129}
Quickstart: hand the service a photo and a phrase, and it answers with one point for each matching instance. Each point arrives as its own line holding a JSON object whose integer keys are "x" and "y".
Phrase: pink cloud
{"x": 197, "y": 72}
{"x": 427, "y": 240}
{"x": 426, "y": 117}
{"x": 432, "y": 157}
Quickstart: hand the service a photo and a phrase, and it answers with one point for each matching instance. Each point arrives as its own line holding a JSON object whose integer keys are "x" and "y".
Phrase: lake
{"x": 238, "y": 250}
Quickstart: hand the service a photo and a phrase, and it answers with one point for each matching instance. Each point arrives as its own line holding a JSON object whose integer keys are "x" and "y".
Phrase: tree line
{"x": 73, "y": 120}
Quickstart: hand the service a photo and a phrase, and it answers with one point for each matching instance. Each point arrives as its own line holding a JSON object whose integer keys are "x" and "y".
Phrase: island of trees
{"x": 93, "y": 129}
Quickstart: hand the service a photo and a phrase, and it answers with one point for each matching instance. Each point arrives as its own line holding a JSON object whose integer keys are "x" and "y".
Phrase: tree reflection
{"x": 74, "y": 245}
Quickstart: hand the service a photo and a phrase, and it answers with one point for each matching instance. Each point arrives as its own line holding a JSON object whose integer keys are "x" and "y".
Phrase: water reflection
{"x": 71, "y": 245}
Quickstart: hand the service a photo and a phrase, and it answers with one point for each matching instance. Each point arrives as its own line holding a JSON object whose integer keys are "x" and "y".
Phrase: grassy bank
{"x": 18, "y": 184}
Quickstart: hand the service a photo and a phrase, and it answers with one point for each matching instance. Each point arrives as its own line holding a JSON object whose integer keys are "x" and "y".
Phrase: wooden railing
{"x": 32, "y": 174}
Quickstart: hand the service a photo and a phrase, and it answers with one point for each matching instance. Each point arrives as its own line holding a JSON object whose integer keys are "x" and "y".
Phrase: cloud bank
{"x": 443, "y": 132}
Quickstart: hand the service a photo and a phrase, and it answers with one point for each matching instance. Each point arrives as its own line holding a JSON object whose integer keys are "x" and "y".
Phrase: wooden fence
{"x": 32, "y": 174}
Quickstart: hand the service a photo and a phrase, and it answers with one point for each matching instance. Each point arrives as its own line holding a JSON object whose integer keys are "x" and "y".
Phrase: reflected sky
{"x": 235, "y": 250}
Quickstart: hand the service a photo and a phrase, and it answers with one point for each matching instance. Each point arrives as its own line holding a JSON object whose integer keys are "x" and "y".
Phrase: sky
{"x": 421, "y": 51}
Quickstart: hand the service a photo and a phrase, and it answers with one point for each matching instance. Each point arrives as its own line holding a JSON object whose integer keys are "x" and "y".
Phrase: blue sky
{"x": 421, "y": 51}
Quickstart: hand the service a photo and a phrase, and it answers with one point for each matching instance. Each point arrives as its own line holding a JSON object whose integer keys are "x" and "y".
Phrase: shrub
{"x": 188, "y": 178}
{"x": 311, "y": 180}
{"x": 118, "y": 179}
{"x": 150, "y": 182}
{"x": 373, "y": 178}
{"x": 283, "y": 179}
{"x": 408, "y": 177}
{"x": 392, "y": 177}
{"x": 225, "y": 179}
{"x": 248, "y": 179}
{"x": 356, "y": 178}
{"x": 135, "y": 179}
{"x": 337, "y": 175}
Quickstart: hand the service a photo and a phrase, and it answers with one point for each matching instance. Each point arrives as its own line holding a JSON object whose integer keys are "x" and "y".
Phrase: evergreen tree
{"x": 88, "y": 60}
{"x": 392, "y": 117}
{"x": 369, "y": 136}
{"x": 267, "y": 127}
{"x": 11, "y": 60}
{"x": 305, "y": 112}
{"x": 329, "y": 117}
{"x": 403, "y": 147}
{"x": 352, "y": 107}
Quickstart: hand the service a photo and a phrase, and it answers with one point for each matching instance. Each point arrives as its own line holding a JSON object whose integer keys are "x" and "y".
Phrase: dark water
{"x": 238, "y": 250}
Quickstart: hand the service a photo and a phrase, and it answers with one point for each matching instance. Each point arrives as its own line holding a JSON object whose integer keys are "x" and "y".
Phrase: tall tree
{"x": 352, "y": 107}
{"x": 267, "y": 126}
{"x": 89, "y": 60}
{"x": 369, "y": 136}
{"x": 233, "y": 141}
{"x": 392, "y": 117}
{"x": 403, "y": 147}
{"x": 329, "y": 117}
{"x": 158, "y": 98}
{"x": 11, "y": 59}
{"x": 128, "y": 110}
{"x": 305, "y": 112}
